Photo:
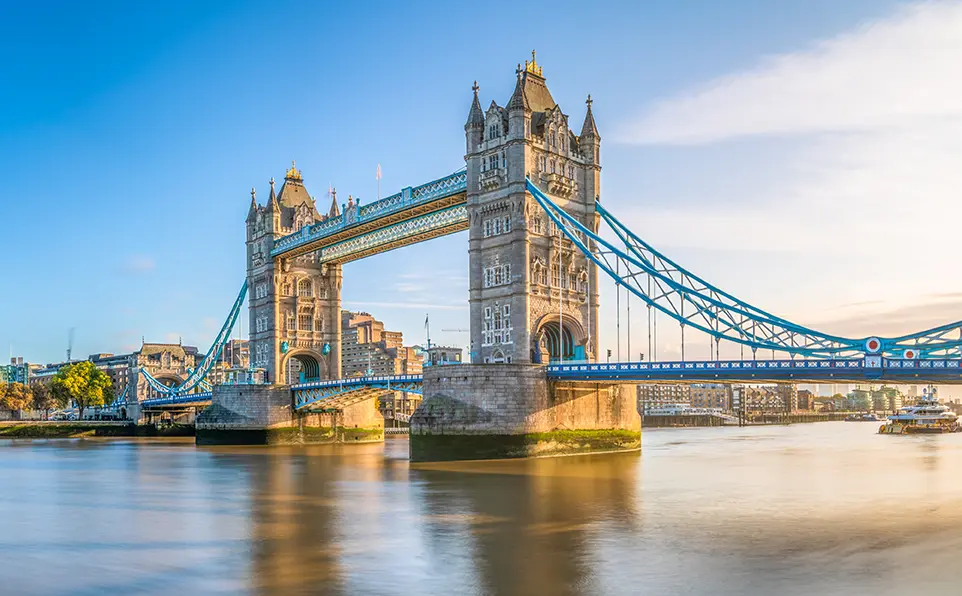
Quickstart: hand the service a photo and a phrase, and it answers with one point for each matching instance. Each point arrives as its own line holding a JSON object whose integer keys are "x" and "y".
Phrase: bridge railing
{"x": 407, "y": 198}
{"x": 867, "y": 367}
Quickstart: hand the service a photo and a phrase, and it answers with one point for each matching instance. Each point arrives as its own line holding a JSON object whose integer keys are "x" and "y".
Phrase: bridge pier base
{"x": 497, "y": 411}
{"x": 263, "y": 415}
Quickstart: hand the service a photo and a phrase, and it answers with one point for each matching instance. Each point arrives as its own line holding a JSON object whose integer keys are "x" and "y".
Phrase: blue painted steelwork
{"x": 194, "y": 399}
{"x": 452, "y": 219}
{"x": 197, "y": 376}
{"x": 356, "y": 215}
{"x": 868, "y": 368}
{"x": 692, "y": 302}
{"x": 325, "y": 395}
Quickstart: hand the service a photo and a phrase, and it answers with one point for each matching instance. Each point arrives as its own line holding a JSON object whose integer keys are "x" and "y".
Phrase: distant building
{"x": 770, "y": 399}
{"x": 806, "y": 400}
{"x": 711, "y": 395}
{"x": 440, "y": 355}
{"x": 659, "y": 396}
{"x": 237, "y": 353}
{"x": 17, "y": 371}
{"x": 883, "y": 399}
{"x": 367, "y": 348}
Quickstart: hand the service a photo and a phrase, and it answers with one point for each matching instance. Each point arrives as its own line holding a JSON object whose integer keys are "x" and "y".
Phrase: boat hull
{"x": 898, "y": 428}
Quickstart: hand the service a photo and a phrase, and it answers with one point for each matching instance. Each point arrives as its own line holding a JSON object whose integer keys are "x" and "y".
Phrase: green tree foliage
{"x": 84, "y": 384}
{"x": 16, "y": 397}
{"x": 46, "y": 399}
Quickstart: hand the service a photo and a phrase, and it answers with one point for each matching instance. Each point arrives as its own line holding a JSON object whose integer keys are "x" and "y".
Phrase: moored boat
{"x": 927, "y": 416}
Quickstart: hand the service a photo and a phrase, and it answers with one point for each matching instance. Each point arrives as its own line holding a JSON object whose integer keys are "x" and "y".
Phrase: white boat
{"x": 927, "y": 416}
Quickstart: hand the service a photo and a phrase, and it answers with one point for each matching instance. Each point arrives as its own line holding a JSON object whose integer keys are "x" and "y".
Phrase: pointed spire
{"x": 272, "y": 204}
{"x": 588, "y": 129}
{"x": 334, "y": 211}
{"x": 518, "y": 99}
{"x": 475, "y": 116}
{"x": 252, "y": 212}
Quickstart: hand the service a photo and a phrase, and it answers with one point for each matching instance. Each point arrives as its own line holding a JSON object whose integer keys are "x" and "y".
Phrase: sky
{"x": 801, "y": 154}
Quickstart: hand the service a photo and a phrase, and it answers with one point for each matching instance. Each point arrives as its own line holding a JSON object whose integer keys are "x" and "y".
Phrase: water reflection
{"x": 528, "y": 526}
{"x": 808, "y": 509}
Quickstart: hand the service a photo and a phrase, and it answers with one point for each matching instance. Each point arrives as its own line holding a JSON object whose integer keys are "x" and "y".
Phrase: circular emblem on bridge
{"x": 910, "y": 354}
{"x": 285, "y": 347}
{"x": 326, "y": 349}
{"x": 873, "y": 345}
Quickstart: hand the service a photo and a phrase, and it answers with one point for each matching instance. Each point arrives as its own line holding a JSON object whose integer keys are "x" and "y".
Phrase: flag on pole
{"x": 378, "y": 174}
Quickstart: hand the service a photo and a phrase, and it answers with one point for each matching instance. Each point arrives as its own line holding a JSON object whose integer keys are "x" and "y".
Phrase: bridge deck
{"x": 854, "y": 370}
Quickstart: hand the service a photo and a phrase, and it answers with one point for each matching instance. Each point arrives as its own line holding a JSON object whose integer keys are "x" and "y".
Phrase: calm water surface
{"x": 825, "y": 508}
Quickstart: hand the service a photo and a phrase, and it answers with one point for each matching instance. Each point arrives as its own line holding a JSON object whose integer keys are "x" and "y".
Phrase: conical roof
{"x": 475, "y": 116}
{"x": 588, "y": 129}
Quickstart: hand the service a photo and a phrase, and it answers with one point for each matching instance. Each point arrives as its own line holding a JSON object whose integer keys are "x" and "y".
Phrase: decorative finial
{"x": 253, "y": 194}
{"x": 272, "y": 183}
{"x": 532, "y": 66}
{"x": 588, "y": 101}
{"x": 293, "y": 173}
{"x": 518, "y": 71}
{"x": 475, "y": 88}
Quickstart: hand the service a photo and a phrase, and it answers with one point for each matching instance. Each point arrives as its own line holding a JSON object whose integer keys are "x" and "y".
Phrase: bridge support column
{"x": 510, "y": 410}
{"x": 263, "y": 415}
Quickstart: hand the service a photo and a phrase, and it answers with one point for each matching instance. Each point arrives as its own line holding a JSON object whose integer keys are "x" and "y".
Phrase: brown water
{"x": 814, "y": 509}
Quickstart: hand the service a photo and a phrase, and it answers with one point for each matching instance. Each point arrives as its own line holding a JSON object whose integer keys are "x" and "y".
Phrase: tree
{"x": 16, "y": 397}
{"x": 84, "y": 384}
{"x": 46, "y": 399}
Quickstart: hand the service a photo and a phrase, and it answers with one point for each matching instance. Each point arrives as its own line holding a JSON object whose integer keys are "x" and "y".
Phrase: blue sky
{"x": 131, "y": 133}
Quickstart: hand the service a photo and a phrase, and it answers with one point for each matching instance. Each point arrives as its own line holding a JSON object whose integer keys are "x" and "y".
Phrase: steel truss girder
{"x": 359, "y": 220}
{"x": 433, "y": 224}
{"x": 692, "y": 302}
{"x": 341, "y": 393}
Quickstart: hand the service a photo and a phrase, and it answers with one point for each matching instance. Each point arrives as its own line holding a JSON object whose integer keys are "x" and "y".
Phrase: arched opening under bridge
{"x": 558, "y": 338}
{"x": 302, "y": 367}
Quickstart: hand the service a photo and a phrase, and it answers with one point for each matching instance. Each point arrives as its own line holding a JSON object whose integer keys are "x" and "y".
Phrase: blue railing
{"x": 868, "y": 368}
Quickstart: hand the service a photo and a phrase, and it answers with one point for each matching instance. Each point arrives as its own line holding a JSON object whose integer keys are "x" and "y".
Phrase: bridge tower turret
{"x": 533, "y": 295}
{"x": 294, "y": 303}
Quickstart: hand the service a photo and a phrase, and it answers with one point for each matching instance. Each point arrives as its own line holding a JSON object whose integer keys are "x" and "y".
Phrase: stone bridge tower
{"x": 295, "y": 303}
{"x": 533, "y": 295}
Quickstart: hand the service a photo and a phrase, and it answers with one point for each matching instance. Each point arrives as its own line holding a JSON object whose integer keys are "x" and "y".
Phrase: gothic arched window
{"x": 304, "y": 288}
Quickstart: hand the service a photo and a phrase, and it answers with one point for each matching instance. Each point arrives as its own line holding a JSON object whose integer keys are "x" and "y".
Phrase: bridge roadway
{"x": 314, "y": 396}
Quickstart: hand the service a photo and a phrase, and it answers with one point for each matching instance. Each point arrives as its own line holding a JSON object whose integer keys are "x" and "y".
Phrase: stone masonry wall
{"x": 514, "y": 399}
{"x": 263, "y": 414}
{"x": 475, "y": 411}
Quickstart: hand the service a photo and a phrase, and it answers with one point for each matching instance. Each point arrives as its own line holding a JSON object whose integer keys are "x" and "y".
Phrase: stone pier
{"x": 263, "y": 415}
{"x": 477, "y": 411}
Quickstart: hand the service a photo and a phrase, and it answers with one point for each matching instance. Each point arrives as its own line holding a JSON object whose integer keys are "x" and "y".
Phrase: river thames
{"x": 828, "y": 508}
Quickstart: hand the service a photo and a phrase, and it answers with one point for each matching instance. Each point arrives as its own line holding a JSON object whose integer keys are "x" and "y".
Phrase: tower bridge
{"x": 538, "y": 237}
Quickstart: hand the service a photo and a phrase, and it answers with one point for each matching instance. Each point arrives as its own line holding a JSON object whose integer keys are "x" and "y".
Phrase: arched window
{"x": 304, "y": 288}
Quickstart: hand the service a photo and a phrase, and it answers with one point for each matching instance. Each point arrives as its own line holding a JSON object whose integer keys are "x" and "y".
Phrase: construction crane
{"x": 455, "y": 330}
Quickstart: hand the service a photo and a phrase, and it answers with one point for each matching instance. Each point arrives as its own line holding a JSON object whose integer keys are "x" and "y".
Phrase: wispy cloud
{"x": 870, "y": 190}
{"x": 893, "y": 72}
{"x": 409, "y": 288}
{"x": 405, "y": 305}
{"x": 138, "y": 264}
